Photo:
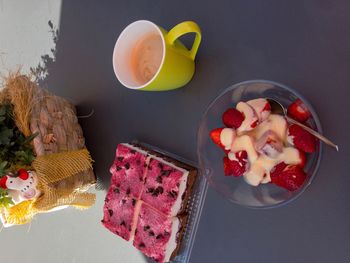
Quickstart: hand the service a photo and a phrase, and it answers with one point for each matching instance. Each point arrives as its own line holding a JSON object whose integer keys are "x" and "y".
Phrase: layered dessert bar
{"x": 119, "y": 213}
{"x": 156, "y": 235}
{"x": 128, "y": 170}
{"x": 147, "y": 199}
{"x": 165, "y": 187}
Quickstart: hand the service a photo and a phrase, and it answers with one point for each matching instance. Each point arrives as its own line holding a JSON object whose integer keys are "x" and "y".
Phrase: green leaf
{"x": 15, "y": 148}
{"x": 3, "y": 110}
{"x": 30, "y": 138}
{"x": 3, "y": 164}
{"x": 24, "y": 157}
{"x": 5, "y": 135}
{"x": 3, "y": 167}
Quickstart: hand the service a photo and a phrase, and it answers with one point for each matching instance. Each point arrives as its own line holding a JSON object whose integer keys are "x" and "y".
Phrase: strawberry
{"x": 278, "y": 168}
{"x": 298, "y": 111}
{"x": 251, "y": 119}
{"x": 215, "y": 136}
{"x": 301, "y": 139}
{"x": 232, "y": 118}
{"x": 290, "y": 177}
{"x": 267, "y": 107}
{"x": 242, "y": 157}
{"x": 302, "y": 159}
{"x": 254, "y": 124}
{"x": 233, "y": 167}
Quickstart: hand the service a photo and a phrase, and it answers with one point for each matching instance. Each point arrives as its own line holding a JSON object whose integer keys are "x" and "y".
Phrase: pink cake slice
{"x": 119, "y": 213}
{"x": 128, "y": 170}
{"x": 165, "y": 186}
{"x": 146, "y": 202}
{"x": 156, "y": 234}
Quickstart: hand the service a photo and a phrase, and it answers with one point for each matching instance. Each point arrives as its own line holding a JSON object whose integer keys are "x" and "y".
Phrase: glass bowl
{"x": 210, "y": 156}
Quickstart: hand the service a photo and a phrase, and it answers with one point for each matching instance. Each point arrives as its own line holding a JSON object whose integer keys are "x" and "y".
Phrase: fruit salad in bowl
{"x": 251, "y": 154}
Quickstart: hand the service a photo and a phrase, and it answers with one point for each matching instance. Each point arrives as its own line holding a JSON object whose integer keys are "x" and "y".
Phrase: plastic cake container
{"x": 194, "y": 206}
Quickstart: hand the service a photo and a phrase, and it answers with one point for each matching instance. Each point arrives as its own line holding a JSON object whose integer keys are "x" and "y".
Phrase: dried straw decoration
{"x": 19, "y": 91}
{"x": 59, "y": 135}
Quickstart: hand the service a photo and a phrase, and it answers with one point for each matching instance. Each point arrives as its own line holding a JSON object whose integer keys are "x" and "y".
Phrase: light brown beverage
{"x": 147, "y": 57}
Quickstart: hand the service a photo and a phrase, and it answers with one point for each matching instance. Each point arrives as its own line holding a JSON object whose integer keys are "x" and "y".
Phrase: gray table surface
{"x": 303, "y": 44}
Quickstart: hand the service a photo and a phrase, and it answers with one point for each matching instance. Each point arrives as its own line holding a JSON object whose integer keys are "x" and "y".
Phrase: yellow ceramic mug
{"x": 176, "y": 62}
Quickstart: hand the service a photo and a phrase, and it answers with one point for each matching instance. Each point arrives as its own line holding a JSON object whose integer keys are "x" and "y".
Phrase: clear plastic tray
{"x": 195, "y": 206}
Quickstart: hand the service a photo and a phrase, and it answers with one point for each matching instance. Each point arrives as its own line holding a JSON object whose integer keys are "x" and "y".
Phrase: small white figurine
{"x": 23, "y": 187}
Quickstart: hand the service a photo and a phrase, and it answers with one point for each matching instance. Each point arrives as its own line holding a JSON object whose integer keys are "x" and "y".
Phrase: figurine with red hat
{"x": 21, "y": 187}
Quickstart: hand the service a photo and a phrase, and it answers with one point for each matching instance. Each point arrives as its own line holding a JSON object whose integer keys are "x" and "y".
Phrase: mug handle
{"x": 185, "y": 28}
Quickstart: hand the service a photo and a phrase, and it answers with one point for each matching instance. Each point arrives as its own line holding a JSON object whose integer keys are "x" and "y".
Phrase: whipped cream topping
{"x": 226, "y": 137}
{"x": 275, "y": 123}
{"x": 265, "y": 144}
{"x": 269, "y": 144}
{"x": 250, "y": 117}
{"x": 245, "y": 143}
{"x": 259, "y": 171}
{"x": 259, "y": 106}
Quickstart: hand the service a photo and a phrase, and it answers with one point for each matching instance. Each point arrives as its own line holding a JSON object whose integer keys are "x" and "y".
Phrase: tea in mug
{"x": 147, "y": 57}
